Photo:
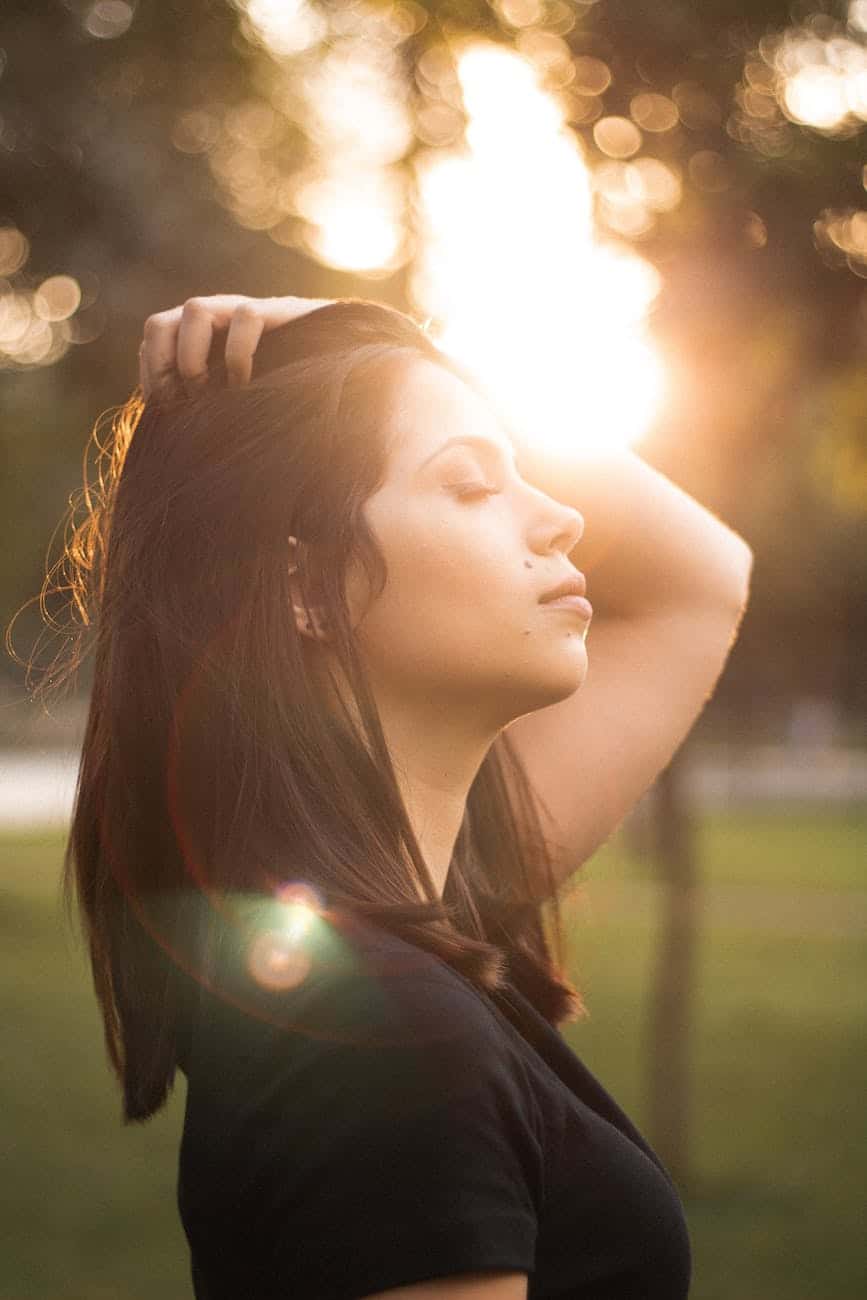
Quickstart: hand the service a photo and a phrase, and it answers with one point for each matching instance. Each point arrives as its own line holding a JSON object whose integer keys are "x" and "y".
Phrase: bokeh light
{"x": 35, "y": 323}
{"x": 550, "y": 55}
{"x": 345, "y": 201}
{"x": 283, "y": 27}
{"x": 617, "y": 137}
{"x": 592, "y": 75}
{"x": 816, "y": 96}
{"x": 107, "y": 19}
{"x": 353, "y": 202}
{"x": 14, "y": 250}
{"x": 57, "y": 298}
{"x": 354, "y": 219}
{"x": 568, "y": 359}
{"x": 813, "y": 74}
{"x": 654, "y": 112}
{"x": 520, "y": 13}
{"x": 841, "y": 236}
{"x": 629, "y": 194}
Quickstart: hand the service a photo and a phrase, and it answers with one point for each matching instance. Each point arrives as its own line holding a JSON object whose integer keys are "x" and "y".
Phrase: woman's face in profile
{"x": 470, "y": 547}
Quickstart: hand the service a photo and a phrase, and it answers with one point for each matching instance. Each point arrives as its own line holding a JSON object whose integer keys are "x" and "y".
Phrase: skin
{"x": 457, "y": 646}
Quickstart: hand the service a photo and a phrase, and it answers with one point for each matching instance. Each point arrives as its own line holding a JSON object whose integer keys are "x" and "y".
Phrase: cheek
{"x": 441, "y": 565}
{"x": 441, "y": 572}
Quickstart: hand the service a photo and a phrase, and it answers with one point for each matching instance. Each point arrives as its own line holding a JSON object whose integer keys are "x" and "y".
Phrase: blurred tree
{"x": 120, "y": 126}
{"x": 672, "y": 987}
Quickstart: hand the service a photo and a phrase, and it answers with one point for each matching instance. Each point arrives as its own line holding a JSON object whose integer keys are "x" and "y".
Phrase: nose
{"x": 560, "y": 527}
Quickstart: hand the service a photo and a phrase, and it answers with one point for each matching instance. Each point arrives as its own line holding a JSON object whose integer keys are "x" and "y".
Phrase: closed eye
{"x": 465, "y": 491}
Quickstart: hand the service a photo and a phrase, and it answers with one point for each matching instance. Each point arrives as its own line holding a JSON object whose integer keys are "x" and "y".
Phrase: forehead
{"x": 429, "y": 405}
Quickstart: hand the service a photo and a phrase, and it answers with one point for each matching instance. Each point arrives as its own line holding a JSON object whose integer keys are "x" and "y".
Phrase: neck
{"x": 437, "y": 747}
{"x": 435, "y": 767}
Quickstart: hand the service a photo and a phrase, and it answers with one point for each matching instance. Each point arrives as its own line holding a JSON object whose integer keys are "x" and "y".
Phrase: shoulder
{"x": 377, "y": 1109}
{"x": 379, "y": 1037}
{"x": 338, "y": 992}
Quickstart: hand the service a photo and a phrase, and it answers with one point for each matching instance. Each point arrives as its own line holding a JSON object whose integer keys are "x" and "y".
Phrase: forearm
{"x": 646, "y": 542}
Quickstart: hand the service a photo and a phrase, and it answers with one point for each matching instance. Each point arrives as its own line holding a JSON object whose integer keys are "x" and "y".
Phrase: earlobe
{"x": 314, "y": 629}
{"x": 317, "y": 628}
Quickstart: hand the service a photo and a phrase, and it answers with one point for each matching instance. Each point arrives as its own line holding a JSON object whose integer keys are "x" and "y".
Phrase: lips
{"x": 574, "y": 586}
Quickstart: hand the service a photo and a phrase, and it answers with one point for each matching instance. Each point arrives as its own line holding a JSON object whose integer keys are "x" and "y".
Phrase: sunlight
{"x": 822, "y": 82}
{"x": 354, "y": 219}
{"x": 553, "y": 321}
{"x": 284, "y": 27}
{"x": 816, "y": 96}
{"x": 353, "y": 196}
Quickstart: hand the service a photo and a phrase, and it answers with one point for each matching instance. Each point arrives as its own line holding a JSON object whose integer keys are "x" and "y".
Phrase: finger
{"x": 158, "y": 359}
{"x": 157, "y": 354}
{"x": 180, "y": 338}
{"x": 245, "y": 331}
{"x": 199, "y": 318}
{"x": 250, "y": 320}
{"x": 195, "y": 332}
{"x": 143, "y": 376}
{"x": 278, "y": 311}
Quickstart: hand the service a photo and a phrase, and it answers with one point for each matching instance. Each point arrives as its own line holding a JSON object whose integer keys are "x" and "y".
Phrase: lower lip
{"x": 579, "y": 604}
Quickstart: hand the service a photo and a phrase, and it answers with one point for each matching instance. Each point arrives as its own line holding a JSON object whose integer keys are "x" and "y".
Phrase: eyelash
{"x": 472, "y": 490}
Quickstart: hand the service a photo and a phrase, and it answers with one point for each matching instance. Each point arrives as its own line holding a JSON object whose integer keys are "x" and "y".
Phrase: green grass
{"x": 814, "y": 849}
{"x": 87, "y": 1205}
{"x": 779, "y": 1053}
{"x": 790, "y": 847}
{"x": 779, "y": 1068}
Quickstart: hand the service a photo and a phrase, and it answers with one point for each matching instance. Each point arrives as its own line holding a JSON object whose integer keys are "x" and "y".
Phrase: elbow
{"x": 742, "y": 572}
{"x": 733, "y": 570}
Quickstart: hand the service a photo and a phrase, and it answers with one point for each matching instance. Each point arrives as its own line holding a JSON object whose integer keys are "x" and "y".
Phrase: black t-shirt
{"x": 378, "y": 1121}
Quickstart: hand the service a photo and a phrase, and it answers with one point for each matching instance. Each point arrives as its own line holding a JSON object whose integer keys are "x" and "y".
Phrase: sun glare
{"x": 282, "y": 26}
{"x": 510, "y": 269}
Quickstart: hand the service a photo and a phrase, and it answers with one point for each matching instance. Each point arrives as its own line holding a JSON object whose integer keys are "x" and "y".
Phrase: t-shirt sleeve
{"x": 408, "y": 1153}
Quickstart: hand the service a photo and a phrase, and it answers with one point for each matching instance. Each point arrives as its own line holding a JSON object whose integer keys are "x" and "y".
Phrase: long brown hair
{"x": 209, "y": 762}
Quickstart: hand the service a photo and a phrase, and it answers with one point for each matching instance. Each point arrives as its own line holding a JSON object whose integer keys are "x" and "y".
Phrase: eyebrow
{"x": 473, "y": 440}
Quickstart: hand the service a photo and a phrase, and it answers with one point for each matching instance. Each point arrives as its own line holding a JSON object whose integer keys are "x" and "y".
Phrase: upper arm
{"x": 591, "y": 756}
{"x": 468, "y": 1286}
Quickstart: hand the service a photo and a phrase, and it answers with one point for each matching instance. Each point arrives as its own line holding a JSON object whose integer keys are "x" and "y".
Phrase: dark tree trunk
{"x": 673, "y": 984}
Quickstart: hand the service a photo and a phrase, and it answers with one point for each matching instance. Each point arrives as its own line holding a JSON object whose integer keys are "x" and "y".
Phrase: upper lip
{"x": 576, "y": 585}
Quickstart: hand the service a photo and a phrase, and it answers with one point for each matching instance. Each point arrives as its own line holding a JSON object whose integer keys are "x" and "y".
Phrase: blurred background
{"x": 675, "y": 196}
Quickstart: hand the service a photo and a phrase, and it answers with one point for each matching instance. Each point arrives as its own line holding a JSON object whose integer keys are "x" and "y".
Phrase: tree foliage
{"x": 111, "y": 118}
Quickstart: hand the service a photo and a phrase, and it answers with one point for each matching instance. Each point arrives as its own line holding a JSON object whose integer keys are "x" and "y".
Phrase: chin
{"x": 553, "y": 689}
{"x": 572, "y": 675}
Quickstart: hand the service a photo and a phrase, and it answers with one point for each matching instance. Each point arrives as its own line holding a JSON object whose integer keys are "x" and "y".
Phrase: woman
{"x": 341, "y": 748}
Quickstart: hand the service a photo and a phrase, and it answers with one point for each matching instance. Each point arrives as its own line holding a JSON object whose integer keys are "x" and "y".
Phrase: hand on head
{"x": 179, "y": 340}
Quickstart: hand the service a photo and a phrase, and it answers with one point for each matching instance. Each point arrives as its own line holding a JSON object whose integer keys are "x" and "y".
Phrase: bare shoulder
{"x": 466, "y": 1286}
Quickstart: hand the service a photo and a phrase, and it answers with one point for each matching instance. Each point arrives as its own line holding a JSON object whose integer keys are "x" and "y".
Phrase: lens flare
{"x": 300, "y": 904}
{"x": 275, "y": 962}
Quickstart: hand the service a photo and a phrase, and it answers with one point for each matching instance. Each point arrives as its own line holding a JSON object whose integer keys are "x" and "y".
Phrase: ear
{"x": 317, "y": 631}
